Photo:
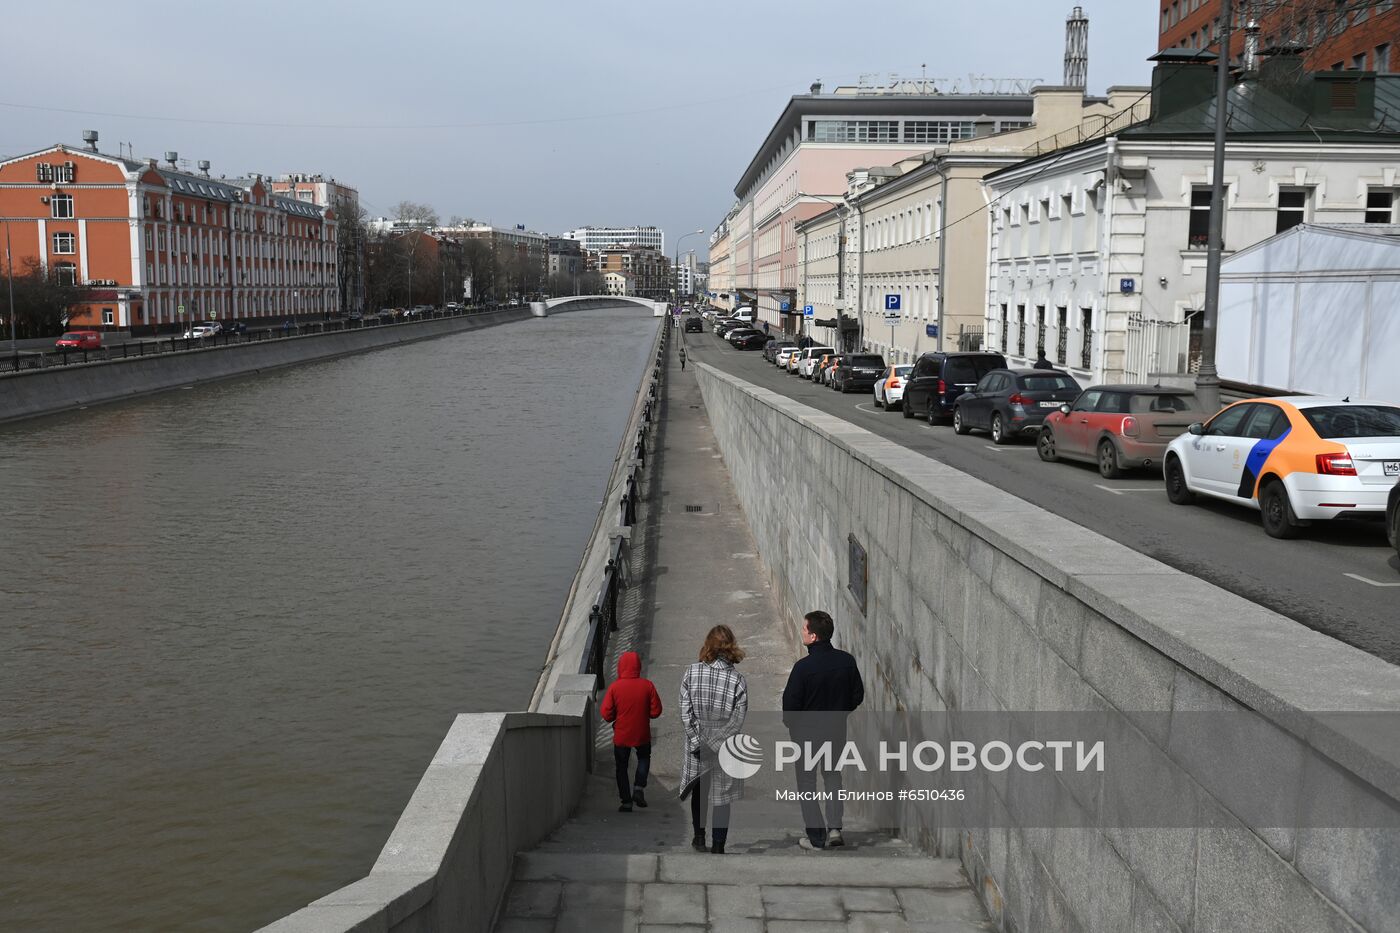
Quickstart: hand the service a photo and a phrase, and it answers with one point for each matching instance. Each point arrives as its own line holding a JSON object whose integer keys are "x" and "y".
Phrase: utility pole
{"x": 1207, "y": 378}
{"x": 10, "y": 268}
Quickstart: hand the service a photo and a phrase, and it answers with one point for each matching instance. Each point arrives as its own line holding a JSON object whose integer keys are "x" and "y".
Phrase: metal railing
{"x": 603, "y": 616}
{"x": 176, "y": 343}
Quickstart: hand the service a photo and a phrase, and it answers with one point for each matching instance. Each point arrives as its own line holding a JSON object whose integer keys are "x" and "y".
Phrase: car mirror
{"x": 1197, "y": 429}
{"x": 1064, "y": 409}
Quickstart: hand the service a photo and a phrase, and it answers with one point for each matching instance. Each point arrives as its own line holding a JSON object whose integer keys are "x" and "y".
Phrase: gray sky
{"x": 548, "y": 113}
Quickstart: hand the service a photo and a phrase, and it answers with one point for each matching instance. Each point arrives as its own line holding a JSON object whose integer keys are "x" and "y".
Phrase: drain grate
{"x": 693, "y": 508}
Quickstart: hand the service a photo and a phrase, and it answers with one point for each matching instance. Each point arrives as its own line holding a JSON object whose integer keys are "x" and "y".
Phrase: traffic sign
{"x": 892, "y": 318}
{"x": 808, "y": 311}
{"x": 784, "y": 306}
{"x": 931, "y": 330}
{"x": 892, "y": 302}
{"x": 180, "y": 310}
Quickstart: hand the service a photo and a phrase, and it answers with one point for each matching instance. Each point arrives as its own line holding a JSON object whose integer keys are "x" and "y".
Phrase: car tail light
{"x": 1335, "y": 465}
{"x": 1019, "y": 399}
{"x": 942, "y": 387}
{"x": 1130, "y": 427}
{"x": 895, "y": 383}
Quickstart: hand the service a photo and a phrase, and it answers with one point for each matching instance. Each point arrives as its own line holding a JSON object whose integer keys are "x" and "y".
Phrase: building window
{"x": 1040, "y": 330}
{"x": 1358, "y": 62}
{"x": 64, "y": 243}
{"x": 1292, "y": 208}
{"x": 1380, "y": 207}
{"x": 108, "y": 317}
{"x": 1005, "y": 330}
{"x": 1062, "y": 335}
{"x": 1021, "y": 339}
{"x": 937, "y": 131}
{"x": 1198, "y": 228}
{"x": 67, "y": 273}
{"x": 853, "y": 131}
{"x": 61, "y": 206}
{"x": 1381, "y": 58}
{"x": 1086, "y": 333}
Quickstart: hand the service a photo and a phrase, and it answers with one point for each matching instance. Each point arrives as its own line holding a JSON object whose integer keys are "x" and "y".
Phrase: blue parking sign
{"x": 808, "y": 311}
{"x": 892, "y": 302}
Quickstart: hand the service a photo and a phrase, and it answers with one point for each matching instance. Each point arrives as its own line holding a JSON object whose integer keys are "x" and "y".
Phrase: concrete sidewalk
{"x": 694, "y": 565}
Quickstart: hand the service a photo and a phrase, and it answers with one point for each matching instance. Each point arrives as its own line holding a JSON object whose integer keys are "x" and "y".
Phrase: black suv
{"x": 1392, "y": 518}
{"x": 693, "y": 325}
{"x": 938, "y": 378}
{"x": 859, "y": 371}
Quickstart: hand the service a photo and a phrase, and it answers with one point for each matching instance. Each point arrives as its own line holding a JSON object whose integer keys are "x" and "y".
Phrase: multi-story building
{"x": 620, "y": 283}
{"x": 911, "y": 239}
{"x": 567, "y": 260}
{"x": 686, "y": 274}
{"x": 802, "y": 164}
{"x": 1098, "y": 251}
{"x": 599, "y": 237}
{"x": 520, "y": 256}
{"x": 158, "y": 247}
{"x": 650, "y": 269}
{"x": 350, "y": 245}
{"x": 1333, "y": 34}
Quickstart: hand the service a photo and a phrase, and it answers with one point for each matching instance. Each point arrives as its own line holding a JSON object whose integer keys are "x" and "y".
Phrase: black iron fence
{"x": 19, "y": 360}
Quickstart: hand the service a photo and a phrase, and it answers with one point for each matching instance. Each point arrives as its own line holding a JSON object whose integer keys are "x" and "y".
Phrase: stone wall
{"x": 30, "y": 393}
{"x": 978, "y": 600}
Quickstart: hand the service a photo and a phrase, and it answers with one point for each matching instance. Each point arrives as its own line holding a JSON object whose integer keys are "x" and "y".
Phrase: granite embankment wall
{"x": 46, "y": 391}
{"x": 500, "y": 782}
{"x": 977, "y": 600}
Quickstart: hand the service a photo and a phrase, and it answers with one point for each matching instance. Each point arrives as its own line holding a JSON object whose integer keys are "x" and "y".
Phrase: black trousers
{"x": 700, "y": 802}
{"x": 812, "y": 809}
{"x": 622, "y": 754}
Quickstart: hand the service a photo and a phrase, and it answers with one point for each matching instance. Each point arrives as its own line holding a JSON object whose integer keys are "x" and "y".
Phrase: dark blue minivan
{"x": 940, "y": 377}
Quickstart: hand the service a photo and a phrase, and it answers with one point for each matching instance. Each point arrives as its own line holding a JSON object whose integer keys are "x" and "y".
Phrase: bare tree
{"x": 412, "y": 212}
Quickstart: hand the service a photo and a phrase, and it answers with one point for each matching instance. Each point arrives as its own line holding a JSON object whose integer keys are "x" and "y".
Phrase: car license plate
{"x": 1392, "y": 467}
{"x": 1051, "y": 404}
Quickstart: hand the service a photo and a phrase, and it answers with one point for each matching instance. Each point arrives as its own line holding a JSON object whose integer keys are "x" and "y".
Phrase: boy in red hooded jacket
{"x": 630, "y": 704}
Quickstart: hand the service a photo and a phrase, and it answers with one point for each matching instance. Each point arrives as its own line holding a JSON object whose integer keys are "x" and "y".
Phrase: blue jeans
{"x": 622, "y": 754}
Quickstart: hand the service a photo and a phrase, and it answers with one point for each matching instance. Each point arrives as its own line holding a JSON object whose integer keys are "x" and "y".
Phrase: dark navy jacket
{"x": 827, "y": 680}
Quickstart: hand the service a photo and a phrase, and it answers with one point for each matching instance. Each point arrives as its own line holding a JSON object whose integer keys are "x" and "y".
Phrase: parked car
{"x": 821, "y": 373}
{"x": 386, "y": 315}
{"x": 889, "y": 388}
{"x": 857, "y": 372}
{"x": 939, "y": 377}
{"x": 807, "y": 360}
{"x": 238, "y": 327}
{"x": 79, "y": 340}
{"x": 354, "y": 318}
{"x": 200, "y": 332}
{"x": 693, "y": 325}
{"x": 1118, "y": 427}
{"x": 753, "y": 340}
{"x": 773, "y": 347}
{"x": 783, "y": 358}
{"x": 1010, "y": 403}
{"x": 724, "y": 325}
{"x": 1297, "y": 460}
{"x": 1392, "y": 517}
{"x": 735, "y": 334}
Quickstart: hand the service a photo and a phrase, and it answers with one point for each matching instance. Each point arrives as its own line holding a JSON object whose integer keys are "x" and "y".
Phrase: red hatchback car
{"x": 1118, "y": 427}
{"x": 80, "y": 340}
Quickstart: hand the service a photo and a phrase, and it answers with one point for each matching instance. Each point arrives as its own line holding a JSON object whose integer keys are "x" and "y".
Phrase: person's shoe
{"x": 833, "y": 839}
{"x": 809, "y": 845}
{"x": 625, "y": 807}
{"x": 639, "y": 798}
{"x": 717, "y": 840}
{"x": 698, "y": 843}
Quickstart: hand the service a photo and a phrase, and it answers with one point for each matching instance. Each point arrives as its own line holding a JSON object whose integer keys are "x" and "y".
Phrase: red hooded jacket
{"x": 631, "y": 703}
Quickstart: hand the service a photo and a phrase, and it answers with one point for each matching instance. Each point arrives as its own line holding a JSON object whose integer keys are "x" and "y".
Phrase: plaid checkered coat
{"x": 714, "y": 702}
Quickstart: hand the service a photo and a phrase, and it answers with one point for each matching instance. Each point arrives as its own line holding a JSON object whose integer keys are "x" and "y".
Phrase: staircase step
{"x": 798, "y": 868}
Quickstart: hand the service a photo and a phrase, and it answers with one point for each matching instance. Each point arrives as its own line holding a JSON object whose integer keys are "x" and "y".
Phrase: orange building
{"x": 158, "y": 247}
{"x": 1334, "y": 34}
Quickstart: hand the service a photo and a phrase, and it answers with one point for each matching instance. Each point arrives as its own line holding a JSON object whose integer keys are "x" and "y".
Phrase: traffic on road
{"x": 1143, "y": 464}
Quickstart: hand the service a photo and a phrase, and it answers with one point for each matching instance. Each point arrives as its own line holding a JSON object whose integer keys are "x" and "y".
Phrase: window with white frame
{"x": 1380, "y": 206}
{"x": 108, "y": 317}
{"x": 1292, "y": 208}
{"x": 61, "y": 206}
{"x": 65, "y": 244}
{"x": 67, "y": 273}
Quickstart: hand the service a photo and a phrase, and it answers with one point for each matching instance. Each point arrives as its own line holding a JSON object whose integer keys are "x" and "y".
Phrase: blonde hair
{"x": 720, "y": 643}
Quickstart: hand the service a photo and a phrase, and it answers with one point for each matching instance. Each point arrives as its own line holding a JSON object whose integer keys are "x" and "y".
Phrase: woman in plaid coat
{"x": 714, "y": 702}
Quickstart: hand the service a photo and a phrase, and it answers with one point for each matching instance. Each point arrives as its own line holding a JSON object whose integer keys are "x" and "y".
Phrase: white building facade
{"x": 600, "y": 237}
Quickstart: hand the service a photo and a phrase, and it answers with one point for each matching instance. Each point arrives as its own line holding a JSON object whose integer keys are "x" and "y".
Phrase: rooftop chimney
{"x": 816, "y": 87}
{"x": 1251, "y": 47}
{"x": 204, "y": 167}
{"x": 1076, "y": 48}
{"x": 90, "y": 137}
{"x": 172, "y": 157}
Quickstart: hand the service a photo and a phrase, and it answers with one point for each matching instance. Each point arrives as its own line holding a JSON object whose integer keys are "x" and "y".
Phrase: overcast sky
{"x": 548, "y": 113}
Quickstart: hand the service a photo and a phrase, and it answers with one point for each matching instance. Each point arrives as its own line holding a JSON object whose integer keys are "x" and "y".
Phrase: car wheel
{"x": 1177, "y": 490}
{"x": 959, "y": 425}
{"x": 1108, "y": 460}
{"x": 1277, "y": 512}
{"x": 1045, "y": 446}
{"x": 931, "y": 411}
{"x": 906, "y": 409}
{"x": 999, "y": 435}
{"x": 878, "y": 403}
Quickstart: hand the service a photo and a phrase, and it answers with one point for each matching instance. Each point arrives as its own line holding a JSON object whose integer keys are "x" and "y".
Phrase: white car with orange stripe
{"x": 1297, "y": 459}
{"x": 889, "y": 388}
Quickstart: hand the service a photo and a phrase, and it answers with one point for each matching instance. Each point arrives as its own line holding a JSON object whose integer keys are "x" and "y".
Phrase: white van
{"x": 744, "y": 314}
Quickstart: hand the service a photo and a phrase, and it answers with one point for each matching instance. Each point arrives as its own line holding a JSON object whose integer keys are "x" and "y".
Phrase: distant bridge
{"x": 544, "y": 308}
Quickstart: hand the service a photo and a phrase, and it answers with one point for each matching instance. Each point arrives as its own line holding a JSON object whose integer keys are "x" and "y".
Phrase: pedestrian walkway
{"x": 606, "y": 871}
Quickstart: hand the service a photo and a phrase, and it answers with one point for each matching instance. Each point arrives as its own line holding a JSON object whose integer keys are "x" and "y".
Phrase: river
{"x": 237, "y": 619}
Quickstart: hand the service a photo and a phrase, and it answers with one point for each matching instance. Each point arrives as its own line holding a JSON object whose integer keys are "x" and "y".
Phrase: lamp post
{"x": 1207, "y": 378}
{"x": 10, "y": 269}
{"x": 676, "y": 261}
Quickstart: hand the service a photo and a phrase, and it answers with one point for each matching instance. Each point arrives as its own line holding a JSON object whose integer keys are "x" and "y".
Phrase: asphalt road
{"x": 1342, "y": 579}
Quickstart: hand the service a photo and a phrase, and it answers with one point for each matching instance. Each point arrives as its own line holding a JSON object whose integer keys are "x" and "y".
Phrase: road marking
{"x": 1004, "y": 449}
{"x": 1357, "y": 576}
{"x": 874, "y": 411}
{"x": 1119, "y": 490}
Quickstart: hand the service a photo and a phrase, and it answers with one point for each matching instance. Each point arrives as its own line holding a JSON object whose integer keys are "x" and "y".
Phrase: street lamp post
{"x": 10, "y": 269}
{"x": 1207, "y": 378}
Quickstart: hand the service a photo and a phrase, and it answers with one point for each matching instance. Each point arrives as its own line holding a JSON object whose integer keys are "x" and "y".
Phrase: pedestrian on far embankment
{"x": 822, "y": 690}
{"x": 714, "y": 704}
{"x": 682, "y": 359}
{"x": 630, "y": 704}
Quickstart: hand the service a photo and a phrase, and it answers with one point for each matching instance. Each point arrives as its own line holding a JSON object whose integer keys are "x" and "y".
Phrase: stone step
{"x": 800, "y": 868}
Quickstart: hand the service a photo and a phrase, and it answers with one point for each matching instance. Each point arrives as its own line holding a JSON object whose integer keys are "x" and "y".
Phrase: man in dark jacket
{"x": 630, "y": 704}
{"x": 822, "y": 689}
{"x": 1041, "y": 362}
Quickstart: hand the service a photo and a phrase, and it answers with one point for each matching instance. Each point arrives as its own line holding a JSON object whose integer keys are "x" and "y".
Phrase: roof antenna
{"x": 1347, "y": 399}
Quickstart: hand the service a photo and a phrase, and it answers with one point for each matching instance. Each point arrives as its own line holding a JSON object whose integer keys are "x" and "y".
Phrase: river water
{"x": 236, "y": 620}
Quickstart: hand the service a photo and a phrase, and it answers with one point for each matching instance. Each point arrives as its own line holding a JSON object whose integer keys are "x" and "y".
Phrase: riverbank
{"x": 32, "y": 393}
